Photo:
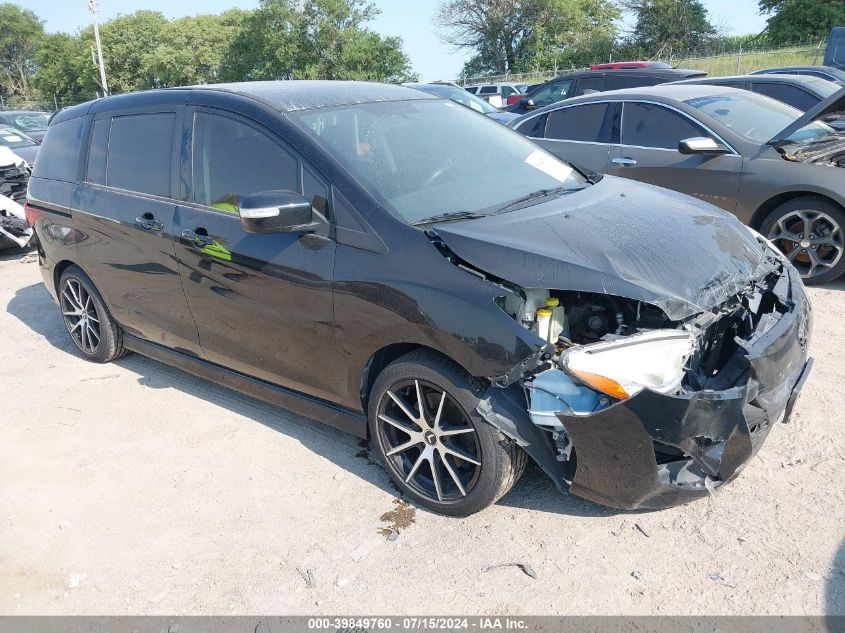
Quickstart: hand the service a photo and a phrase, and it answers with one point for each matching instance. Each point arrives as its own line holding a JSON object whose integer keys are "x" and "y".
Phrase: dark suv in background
{"x": 601, "y": 80}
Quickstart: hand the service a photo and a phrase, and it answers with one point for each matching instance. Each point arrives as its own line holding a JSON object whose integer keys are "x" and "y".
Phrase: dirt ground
{"x": 135, "y": 488}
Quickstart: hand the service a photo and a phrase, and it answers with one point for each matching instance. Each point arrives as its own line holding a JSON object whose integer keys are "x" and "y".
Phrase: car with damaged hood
{"x": 14, "y": 175}
{"x": 398, "y": 267}
{"x": 771, "y": 165}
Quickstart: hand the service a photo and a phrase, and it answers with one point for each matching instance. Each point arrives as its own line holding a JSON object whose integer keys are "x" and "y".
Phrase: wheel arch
{"x": 382, "y": 357}
{"x": 60, "y": 268}
{"x": 774, "y": 202}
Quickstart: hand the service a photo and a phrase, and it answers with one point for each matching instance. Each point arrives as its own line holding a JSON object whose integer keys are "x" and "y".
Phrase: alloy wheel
{"x": 429, "y": 440}
{"x": 812, "y": 240}
{"x": 80, "y": 315}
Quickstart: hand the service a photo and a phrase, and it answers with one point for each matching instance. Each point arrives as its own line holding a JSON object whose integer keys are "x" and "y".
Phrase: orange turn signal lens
{"x": 601, "y": 383}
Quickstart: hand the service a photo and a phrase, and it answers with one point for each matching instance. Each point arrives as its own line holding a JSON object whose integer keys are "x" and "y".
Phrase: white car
{"x": 14, "y": 174}
{"x": 497, "y": 94}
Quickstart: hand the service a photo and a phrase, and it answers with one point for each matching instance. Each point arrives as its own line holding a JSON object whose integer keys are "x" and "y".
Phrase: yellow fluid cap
{"x": 542, "y": 312}
{"x": 553, "y": 302}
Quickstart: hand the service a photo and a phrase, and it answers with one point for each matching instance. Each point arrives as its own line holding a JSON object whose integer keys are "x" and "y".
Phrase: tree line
{"x": 330, "y": 39}
{"x": 281, "y": 39}
{"x": 527, "y": 35}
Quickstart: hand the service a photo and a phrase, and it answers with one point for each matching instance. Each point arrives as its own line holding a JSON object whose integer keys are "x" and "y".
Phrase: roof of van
{"x": 285, "y": 96}
{"x": 289, "y": 96}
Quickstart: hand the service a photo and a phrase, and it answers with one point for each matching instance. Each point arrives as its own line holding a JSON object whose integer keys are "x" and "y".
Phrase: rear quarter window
{"x": 59, "y": 154}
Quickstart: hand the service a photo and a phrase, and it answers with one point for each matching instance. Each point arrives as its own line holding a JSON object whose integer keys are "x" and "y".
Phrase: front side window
{"x": 489, "y": 90}
{"x": 580, "y": 123}
{"x": 139, "y": 152}
{"x": 232, "y": 159}
{"x": 552, "y": 93}
{"x": 424, "y": 158}
{"x": 649, "y": 125}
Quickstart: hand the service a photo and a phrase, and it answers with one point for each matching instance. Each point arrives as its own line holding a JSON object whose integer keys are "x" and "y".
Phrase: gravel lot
{"x": 135, "y": 488}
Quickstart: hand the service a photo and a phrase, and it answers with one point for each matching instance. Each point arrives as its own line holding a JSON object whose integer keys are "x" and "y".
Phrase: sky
{"x": 409, "y": 19}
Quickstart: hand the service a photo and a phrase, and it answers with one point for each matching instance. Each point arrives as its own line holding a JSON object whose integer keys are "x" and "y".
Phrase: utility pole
{"x": 92, "y": 7}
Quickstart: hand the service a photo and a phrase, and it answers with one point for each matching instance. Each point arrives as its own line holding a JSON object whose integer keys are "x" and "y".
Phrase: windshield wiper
{"x": 534, "y": 195}
{"x": 447, "y": 217}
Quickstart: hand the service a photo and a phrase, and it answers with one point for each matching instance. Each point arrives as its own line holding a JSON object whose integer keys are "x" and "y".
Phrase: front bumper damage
{"x": 652, "y": 450}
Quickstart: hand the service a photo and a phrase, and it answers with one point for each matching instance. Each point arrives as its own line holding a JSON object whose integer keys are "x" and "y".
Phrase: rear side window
{"x": 647, "y": 125}
{"x": 232, "y": 159}
{"x": 591, "y": 84}
{"x": 489, "y": 90}
{"x": 139, "y": 151}
{"x": 796, "y": 97}
{"x": 624, "y": 80}
{"x": 59, "y": 153}
{"x": 579, "y": 123}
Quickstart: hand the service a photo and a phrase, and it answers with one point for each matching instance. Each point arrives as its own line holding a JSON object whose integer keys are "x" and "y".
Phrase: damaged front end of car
{"x": 628, "y": 408}
{"x": 668, "y": 339}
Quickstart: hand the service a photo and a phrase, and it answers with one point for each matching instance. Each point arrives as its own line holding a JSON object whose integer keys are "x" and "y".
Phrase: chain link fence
{"x": 732, "y": 56}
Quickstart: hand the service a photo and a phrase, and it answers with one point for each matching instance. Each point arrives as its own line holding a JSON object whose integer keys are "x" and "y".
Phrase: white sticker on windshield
{"x": 549, "y": 165}
{"x": 13, "y": 138}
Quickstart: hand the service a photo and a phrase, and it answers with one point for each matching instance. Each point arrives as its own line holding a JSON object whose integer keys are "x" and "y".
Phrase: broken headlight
{"x": 624, "y": 366}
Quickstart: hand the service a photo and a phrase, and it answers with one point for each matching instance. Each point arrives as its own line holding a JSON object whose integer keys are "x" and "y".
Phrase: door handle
{"x": 200, "y": 241}
{"x": 149, "y": 223}
{"x": 623, "y": 162}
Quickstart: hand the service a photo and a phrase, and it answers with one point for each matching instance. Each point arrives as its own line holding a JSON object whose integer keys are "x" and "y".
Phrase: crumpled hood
{"x": 620, "y": 238}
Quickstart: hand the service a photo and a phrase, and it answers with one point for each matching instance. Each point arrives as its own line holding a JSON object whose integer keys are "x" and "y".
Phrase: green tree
{"x": 190, "y": 50}
{"x": 571, "y": 33}
{"x": 669, "y": 27}
{"x": 127, "y": 40}
{"x": 496, "y": 30}
{"x": 520, "y": 35}
{"x": 65, "y": 70}
{"x": 800, "y": 20}
{"x": 21, "y": 33}
{"x": 326, "y": 39}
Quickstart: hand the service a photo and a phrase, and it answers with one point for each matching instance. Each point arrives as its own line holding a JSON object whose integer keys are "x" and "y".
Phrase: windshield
{"x": 430, "y": 157}
{"x": 757, "y": 118}
{"x": 458, "y": 95}
{"x": 13, "y": 138}
{"x": 30, "y": 121}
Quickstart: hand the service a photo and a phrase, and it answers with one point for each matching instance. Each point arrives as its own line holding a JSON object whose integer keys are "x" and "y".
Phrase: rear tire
{"x": 88, "y": 321}
{"x": 437, "y": 449}
{"x": 810, "y": 231}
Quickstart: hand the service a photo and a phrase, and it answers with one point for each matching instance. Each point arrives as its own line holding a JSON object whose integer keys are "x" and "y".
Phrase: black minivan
{"x": 405, "y": 269}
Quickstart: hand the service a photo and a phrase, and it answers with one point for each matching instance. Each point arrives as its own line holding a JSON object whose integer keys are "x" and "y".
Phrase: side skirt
{"x": 341, "y": 418}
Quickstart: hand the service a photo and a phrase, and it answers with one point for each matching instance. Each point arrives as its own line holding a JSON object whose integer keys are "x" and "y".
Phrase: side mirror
{"x": 701, "y": 145}
{"x": 528, "y": 104}
{"x": 276, "y": 212}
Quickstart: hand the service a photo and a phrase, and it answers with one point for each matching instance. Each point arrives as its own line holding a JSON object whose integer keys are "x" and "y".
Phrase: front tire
{"x": 435, "y": 446}
{"x": 809, "y": 231}
{"x": 88, "y": 321}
